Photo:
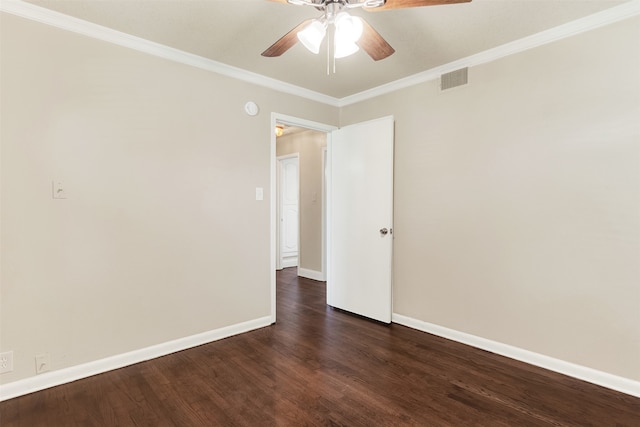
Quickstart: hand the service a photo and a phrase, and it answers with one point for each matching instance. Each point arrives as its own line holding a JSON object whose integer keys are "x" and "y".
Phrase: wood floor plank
{"x": 323, "y": 367}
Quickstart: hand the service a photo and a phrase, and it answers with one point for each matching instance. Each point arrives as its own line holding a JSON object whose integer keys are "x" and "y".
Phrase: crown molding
{"x": 591, "y": 22}
{"x": 69, "y": 23}
{"x": 59, "y": 20}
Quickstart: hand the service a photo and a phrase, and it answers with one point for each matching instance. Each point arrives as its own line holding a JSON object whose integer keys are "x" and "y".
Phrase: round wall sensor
{"x": 251, "y": 108}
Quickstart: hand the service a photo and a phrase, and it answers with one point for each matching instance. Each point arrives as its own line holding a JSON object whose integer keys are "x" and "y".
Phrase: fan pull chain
{"x": 328, "y": 52}
{"x": 332, "y": 35}
{"x": 334, "y": 60}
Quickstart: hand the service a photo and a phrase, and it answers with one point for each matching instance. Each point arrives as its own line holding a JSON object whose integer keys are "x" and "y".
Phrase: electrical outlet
{"x": 6, "y": 362}
{"x": 43, "y": 362}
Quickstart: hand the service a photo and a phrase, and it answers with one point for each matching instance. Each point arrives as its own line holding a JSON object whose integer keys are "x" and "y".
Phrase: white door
{"x": 289, "y": 211}
{"x": 361, "y": 219}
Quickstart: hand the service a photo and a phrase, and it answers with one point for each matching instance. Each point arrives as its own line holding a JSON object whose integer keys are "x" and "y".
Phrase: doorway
{"x": 359, "y": 182}
{"x": 312, "y": 200}
{"x": 300, "y": 200}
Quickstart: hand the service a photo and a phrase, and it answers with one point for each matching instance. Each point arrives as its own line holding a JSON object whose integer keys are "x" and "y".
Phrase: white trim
{"x": 303, "y": 123}
{"x": 69, "y": 23}
{"x": 289, "y": 156}
{"x": 56, "y": 19}
{"x": 73, "y": 373}
{"x": 311, "y": 274}
{"x": 328, "y": 221}
{"x": 604, "y": 379}
{"x": 273, "y": 215}
{"x": 324, "y": 154}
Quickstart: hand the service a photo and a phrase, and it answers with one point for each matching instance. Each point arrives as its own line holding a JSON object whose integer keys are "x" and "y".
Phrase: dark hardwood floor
{"x": 319, "y": 366}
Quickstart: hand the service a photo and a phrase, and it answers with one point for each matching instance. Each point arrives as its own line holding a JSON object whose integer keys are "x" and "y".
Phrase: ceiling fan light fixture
{"x": 312, "y": 35}
{"x": 348, "y": 28}
{"x": 348, "y": 32}
{"x": 344, "y": 49}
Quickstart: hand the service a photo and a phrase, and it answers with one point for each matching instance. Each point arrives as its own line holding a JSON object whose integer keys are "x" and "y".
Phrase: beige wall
{"x": 517, "y": 200}
{"x": 309, "y": 145}
{"x": 160, "y": 165}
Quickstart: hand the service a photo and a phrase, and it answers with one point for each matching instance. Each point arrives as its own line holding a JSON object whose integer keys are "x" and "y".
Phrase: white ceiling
{"x": 235, "y": 32}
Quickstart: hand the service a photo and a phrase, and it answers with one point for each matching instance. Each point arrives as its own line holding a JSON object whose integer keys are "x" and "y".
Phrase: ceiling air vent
{"x": 453, "y": 79}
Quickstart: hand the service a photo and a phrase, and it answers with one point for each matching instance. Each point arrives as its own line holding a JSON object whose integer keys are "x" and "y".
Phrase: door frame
{"x": 325, "y": 209}
{"x": 277, "y": 118}
{"x": 279, "y": 258}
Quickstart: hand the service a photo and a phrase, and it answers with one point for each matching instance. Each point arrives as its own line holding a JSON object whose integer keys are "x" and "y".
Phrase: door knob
{"x": 384, "y": 231}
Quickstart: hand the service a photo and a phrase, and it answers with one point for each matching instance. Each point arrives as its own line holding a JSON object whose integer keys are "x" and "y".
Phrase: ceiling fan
{"x": 350, "y": 32}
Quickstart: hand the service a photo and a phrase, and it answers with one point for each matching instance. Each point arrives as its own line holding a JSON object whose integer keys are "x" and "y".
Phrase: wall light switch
{"x": 259, "y": 193}
{"x": 58, "y": 190}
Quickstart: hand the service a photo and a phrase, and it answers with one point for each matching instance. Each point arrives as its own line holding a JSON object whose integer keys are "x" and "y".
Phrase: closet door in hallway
{"x": 289, "y": 210}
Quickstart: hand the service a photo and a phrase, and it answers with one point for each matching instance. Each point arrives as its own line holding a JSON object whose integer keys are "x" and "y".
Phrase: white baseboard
{"x": 63, "y": 376}
{"x": 73, "y": 373}
{"x": 311, "y": 274}
{"x": 604, "y": 379}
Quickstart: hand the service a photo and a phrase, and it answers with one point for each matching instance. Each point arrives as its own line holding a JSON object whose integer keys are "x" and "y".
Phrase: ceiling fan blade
{"x": 400, "y": 4}
{"x": 373, "y": 43}
{"x": 285, "y": 42}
